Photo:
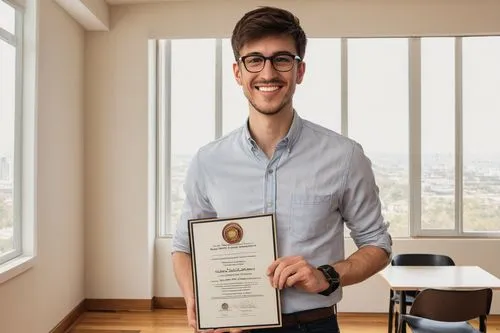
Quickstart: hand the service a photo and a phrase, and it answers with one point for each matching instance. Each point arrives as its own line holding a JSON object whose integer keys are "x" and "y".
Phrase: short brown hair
{"x": 268, "y": 21}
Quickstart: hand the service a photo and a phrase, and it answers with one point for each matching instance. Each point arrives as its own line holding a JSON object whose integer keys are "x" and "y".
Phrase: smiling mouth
{"x": 267, "y": 88}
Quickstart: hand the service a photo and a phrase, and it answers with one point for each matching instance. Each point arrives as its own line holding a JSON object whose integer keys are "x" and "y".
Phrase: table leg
{"x": 402, "y": 309}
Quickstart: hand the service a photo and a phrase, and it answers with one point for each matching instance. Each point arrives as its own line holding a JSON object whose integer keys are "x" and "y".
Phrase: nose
{"x": 268, "y": 72}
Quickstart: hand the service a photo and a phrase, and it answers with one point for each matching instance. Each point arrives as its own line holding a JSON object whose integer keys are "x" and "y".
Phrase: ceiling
{"x": 123, "y": 2}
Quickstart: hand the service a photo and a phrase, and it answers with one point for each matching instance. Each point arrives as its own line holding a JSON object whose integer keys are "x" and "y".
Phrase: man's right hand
{"x": 191, "y": 312}
{"x": 191, "y": 316}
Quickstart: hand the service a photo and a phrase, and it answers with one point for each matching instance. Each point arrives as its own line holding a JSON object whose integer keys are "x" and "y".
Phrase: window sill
{"x": 16, "y": 266}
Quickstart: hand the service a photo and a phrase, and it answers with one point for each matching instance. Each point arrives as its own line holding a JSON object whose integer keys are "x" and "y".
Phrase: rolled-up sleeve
{"x": 361, "y": 206}
{"x": 196, "y": 205}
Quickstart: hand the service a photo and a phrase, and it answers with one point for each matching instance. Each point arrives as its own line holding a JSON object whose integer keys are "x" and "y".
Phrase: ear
{"x": 301, "y": 70}
{"x": 237, "y": 72}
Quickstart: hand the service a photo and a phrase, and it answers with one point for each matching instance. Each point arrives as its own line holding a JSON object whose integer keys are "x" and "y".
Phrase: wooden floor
{"x": 163, "y": 321}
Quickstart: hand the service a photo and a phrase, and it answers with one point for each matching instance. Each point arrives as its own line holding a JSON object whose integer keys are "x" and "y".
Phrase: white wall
{"x": 119, "y": 246}
{"x": 35, "y": 301}
{"x": 119, "y": 239}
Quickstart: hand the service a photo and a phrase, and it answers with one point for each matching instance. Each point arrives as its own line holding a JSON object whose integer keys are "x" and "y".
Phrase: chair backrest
{"x": 422, "y": 259}
{"x": 452, "y": 305}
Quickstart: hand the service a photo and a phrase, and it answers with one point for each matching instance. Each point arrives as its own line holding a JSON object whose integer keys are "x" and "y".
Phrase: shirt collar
{"x": 290, "y": 138}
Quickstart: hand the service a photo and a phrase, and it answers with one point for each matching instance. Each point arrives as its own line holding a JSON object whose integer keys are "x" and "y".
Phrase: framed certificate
{"x": 229, "y": 259}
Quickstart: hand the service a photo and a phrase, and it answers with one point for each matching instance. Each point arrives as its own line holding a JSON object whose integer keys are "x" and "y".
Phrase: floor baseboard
{"x": 68, "y": 321}
{"x": 119, "y": 304}
{"x": 169, "y": 303}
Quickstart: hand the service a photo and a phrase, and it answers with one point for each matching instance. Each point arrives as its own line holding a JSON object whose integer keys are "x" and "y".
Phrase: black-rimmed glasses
{"x": 284, "y": 62}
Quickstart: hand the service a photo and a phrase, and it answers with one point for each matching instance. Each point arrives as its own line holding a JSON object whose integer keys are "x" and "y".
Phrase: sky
{"x": 378, "y": 92}
{"x": 7, "y": 64}
{"x": 7, "y": 92}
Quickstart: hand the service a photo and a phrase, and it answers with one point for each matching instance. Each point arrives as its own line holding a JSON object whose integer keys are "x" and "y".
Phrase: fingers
{"x": 272, "y": 267}
{"x": 276, "y": 270}
{"x": 287, "y": 273}
{"x": 292, "y": 280}
{"x": 285, "y": 268}
{"x": 294, "y": 272}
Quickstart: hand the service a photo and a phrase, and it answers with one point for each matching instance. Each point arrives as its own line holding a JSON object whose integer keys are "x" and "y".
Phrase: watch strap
{"x": 332, "y": 277}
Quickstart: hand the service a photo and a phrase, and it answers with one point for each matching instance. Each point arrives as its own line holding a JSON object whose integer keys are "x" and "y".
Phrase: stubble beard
{"x": 271, "y": 112}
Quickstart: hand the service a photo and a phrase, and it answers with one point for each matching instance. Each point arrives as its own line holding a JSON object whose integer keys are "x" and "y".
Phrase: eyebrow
{"x": 274, "y": 54}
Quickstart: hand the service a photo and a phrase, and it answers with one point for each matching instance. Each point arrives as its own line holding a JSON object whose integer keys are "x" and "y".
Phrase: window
{"x": 378, "y": 119}
{"x": 10, "y": 135}
{"x": 460, "y": 157}
{"x": 425, "y": 111}
{"x": 481, "y": 136}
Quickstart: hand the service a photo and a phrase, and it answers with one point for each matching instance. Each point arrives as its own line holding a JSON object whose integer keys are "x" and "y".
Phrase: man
{"x": 313, "y": 179}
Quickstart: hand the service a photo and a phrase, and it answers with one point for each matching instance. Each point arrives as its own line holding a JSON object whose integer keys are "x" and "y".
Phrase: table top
{"x": 439, "y": 277}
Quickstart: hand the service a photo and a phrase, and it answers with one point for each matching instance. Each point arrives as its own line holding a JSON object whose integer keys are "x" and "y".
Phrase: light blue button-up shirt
{"x": 316, "y": 181}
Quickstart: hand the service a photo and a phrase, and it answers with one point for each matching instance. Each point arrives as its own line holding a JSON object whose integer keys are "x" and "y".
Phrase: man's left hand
{"x": 295, "y": 271}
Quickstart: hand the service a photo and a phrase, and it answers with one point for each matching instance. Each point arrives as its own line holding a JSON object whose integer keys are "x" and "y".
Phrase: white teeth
{"x": 274, "y": 88}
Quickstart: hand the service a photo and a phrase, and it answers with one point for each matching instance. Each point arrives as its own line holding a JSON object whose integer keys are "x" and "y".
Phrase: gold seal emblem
{"x": 232, "y": 233}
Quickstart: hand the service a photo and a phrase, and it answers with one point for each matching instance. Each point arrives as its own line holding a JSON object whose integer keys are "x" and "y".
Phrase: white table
{"x": 438, "y": 277}
{"x": 403, "y": 278}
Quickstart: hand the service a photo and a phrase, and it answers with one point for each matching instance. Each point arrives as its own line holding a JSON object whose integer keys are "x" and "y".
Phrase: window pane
{"x": 7, "y": 122}
{"x": 234, "y": 102}
{"x": 7, "y": 17}
{"x": 481, "y": 136}
{"x": 378, "y": 119}
{"x": 318, "y": 97}
{"x": 438, "y": 133}
{"x": 193, "y": 110}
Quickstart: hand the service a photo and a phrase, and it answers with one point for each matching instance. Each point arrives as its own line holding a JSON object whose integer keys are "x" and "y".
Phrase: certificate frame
{"x": 229, "y": 258}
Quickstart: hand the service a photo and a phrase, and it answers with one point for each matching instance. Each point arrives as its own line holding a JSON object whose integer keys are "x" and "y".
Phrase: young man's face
{"x": 269, "y": 91}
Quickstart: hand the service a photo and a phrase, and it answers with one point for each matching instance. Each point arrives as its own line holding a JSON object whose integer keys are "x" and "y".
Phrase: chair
{"x": 447, "y": 311}
{"x": 412, "y": 259}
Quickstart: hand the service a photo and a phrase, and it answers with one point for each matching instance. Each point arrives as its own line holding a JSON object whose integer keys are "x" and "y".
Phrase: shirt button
{"x": 269, "y": 204}
{"x": 270, "y": 171}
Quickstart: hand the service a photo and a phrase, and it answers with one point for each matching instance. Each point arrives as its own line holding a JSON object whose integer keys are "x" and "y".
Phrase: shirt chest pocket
{"x": 310, "y": 215}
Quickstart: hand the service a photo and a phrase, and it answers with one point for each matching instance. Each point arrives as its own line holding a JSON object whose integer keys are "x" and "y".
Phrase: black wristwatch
{"x": 332, "y": 277}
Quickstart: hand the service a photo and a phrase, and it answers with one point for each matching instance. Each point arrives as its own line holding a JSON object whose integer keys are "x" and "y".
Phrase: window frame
{"x": 164, "y": 225}
{"x": 16, "y": 40}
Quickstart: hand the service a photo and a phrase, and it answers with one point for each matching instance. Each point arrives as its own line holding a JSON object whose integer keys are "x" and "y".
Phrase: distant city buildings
{"x": 481, "y": 189}
{"x": 6, "y": 170}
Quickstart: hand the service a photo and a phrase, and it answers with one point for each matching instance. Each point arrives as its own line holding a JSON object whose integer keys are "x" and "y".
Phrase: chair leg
{"x": 391, "y": 314}
{"x": 396, "y": 320}
{"x": 400, "y": 326}
{"x": 482, "y": 324}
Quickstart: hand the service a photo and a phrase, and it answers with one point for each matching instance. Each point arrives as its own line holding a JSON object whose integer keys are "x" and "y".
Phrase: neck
{"x": 268, "y": 130}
